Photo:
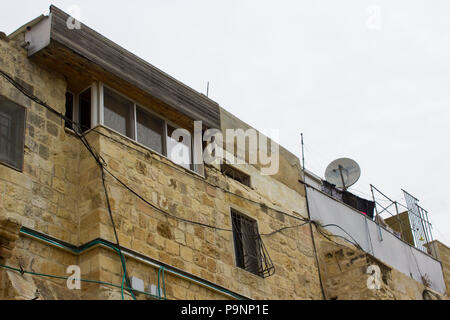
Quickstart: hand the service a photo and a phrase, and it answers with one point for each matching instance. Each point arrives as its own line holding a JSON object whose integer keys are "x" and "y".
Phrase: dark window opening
{"x": 69, "y": 109}
{"x": 84, "y": 112}
{"x": 246, "y": 243}
{"x": 235, "y": 174}
{"x": 12, "y": 133}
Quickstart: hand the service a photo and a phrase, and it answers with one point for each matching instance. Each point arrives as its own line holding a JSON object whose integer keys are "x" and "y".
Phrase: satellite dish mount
{"x": 343, "y": 173}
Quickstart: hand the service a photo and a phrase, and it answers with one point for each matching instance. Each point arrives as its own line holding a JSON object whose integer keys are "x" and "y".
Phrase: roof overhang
{"x": 85, "y": 53}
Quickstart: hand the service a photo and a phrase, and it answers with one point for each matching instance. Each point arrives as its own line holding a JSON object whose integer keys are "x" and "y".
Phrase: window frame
{"x": 166, "y": 122}
{"x": 94, "y": 106}
{"x": 164, "y": 131}
{"x": 97, "y": 119}
{"x": 74, "y": 109}
{"x": 225, "y": 166}
{"x": 22, "y": 154}
{"x": 254, "y": 222}
{"x": 173, "y": 125}
{"x": 133, "y": 126}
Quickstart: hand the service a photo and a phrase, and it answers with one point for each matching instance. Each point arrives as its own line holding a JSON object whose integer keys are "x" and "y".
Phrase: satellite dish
{"x": 343, "y": 173}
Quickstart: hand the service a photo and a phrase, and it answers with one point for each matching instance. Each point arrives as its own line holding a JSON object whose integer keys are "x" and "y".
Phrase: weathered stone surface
{"x": 9, "y": 233}
{"x": 346, "y": 276}
{"x": 60, "y": 193}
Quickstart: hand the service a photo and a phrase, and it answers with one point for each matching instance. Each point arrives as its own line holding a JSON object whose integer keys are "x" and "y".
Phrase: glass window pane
{"x": 150, "y": 130}
{"x": 179, "y": 147}
{"x": 118, "y": 112}
{"x": 12, "y": 131}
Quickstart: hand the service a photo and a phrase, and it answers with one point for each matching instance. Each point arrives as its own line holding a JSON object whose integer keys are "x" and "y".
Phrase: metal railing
{"x": 414, "y": 227}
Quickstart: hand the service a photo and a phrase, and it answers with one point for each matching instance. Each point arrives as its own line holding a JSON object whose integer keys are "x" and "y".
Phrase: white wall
{"x": 387, "y": 247}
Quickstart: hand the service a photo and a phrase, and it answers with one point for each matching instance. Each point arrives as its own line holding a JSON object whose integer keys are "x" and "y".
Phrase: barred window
{"x": 12, "y": 133}
{"x": 246, "y": 243}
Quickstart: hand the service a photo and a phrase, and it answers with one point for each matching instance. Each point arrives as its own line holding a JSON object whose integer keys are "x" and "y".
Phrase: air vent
{"x": 236, "y": 174}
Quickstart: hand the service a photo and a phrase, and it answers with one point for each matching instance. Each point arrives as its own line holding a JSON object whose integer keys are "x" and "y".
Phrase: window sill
{"x": 20, "y": 170}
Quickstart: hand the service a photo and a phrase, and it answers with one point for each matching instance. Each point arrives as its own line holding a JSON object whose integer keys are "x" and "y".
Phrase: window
{"x": 246, "y": 243}
{"x": 235, "y": 174}
{"x": 84, "y": 110}
{"x": 118, "y": 113}
{"x": 127, "y": 118}
{"x": 69, "y": 108}
{"x": 12, "y": 133}
{"x": 150, "y": 130}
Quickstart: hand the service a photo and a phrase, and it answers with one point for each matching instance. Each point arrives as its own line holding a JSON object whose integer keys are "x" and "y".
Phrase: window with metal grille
{"x": 236, "y": 174}
{"x": 12, "y": 133}
{"x": 251, "y": 255}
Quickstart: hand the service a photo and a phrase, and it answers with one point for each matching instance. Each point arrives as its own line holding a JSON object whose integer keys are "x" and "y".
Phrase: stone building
{"x": 92, "y": 176}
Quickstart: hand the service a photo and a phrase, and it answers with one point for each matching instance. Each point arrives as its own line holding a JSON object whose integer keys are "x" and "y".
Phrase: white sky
{"x": 372, "y": 87}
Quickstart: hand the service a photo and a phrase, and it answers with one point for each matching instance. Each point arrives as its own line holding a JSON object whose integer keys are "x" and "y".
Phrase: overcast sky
{"x": 369, "y": 80}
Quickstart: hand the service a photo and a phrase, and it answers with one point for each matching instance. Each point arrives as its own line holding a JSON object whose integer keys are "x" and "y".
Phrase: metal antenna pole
{"x": 310, "y": 223}
{"x": 400, "y": 223}
{"x": 380, "y": 235}
{"x": 303, "y": 153}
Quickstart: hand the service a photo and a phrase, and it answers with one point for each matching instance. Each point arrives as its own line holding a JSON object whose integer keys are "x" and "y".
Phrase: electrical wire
{"x": 183, "y": 219}
{"x": 103, "y": 166}
{"x": 22, "y": 271}
{"x": 163, "y": 281}
{"x": 195, "y": 176}
{"x": 329, "y": 236}
{"x": 83, "y": 139}
{"x": 80, "y": 249}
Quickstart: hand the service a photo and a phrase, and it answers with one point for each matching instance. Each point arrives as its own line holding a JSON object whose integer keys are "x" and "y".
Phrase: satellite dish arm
{"x": 342, "y": 178}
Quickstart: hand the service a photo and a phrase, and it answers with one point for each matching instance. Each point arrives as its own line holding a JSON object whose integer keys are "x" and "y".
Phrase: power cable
{"x": 195, "y": 176}
{"x": 100, "y": 161}
{"x": 21, "y": 271}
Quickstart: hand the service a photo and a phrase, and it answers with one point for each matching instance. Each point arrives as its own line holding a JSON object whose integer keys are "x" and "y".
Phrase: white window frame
{"x": 164, "y": 133}
{"x": 100, "y": 121}
{"x": 132, "y": 111}
{"x": 170, "y": 123}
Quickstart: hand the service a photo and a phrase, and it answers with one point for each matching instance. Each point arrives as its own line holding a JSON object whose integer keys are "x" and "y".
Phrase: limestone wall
{"x": 201, "y": 251}
{"x": 60, "y": 194}
{"x": 442, "y": 253}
